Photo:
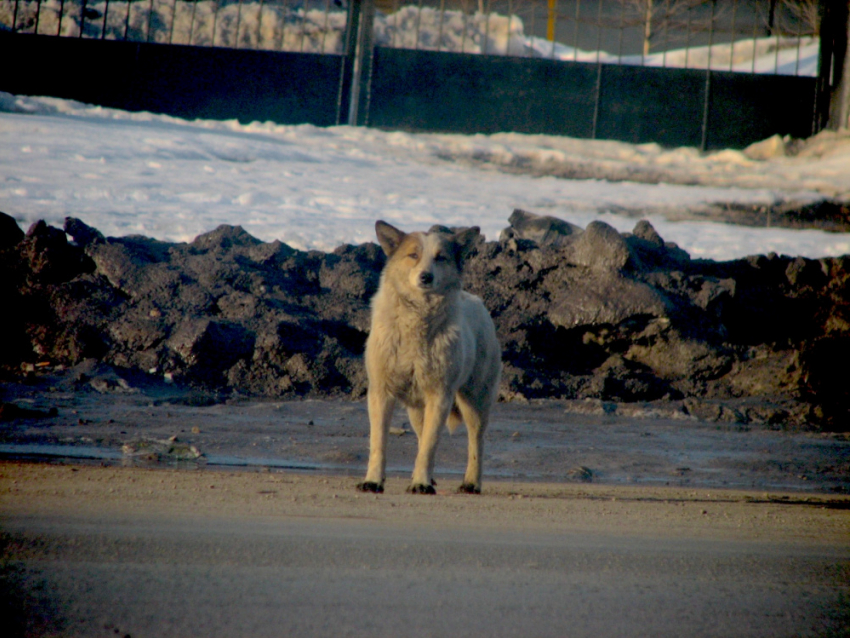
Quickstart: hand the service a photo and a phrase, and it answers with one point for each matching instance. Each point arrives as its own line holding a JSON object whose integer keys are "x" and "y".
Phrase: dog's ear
{"x": 388, "y": 236}
{"x": 465, "y": 242}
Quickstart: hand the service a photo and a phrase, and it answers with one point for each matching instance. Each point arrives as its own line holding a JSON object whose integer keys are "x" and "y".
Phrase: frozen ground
{"x": 139, "y": 173}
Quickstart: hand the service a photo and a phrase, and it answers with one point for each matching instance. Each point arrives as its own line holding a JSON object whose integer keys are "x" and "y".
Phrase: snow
{"x": 315, "y": 188}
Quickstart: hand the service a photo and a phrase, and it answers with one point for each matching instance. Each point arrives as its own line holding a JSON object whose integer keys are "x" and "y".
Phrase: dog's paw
{"x": 370, "y": 486}
{"x": 418, "y": 488}
{"x": 469, "y": 488}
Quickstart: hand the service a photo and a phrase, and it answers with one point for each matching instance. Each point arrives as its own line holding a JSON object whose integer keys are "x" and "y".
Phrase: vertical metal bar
{"x": 260, "y": 26}
{"x": 510, "y": 24}
{"x": 61, "y": 14}
{"x": 599, "y": 32}
{"x": 552, "y": 27}
{"x": 486, "y": 30}
{"x": 755, "y": 35}
{"x": 418, "y": 25}
{"x": 711, "y": 33}
{"x": 598, "y": 90}
{"x": 37, "y": 16}
{"x": 173, "y": 20}
{"x": 440, "y": 31}
{"x": 776, "y": 57}
{"x": 778, "y": 32}
{"x": 192, "y": 21}
{"x": 283, "y": 9}
{"x": 394, "y": 29}
{"x": 238, "y": 24}
{"x": 82, "y": 18}
{"x": 620, "y": 36}
{"x": 533, "y": 12}
{"x": 688, "y": 38}
{"x": 105, "y": 20}
{"x": 303, "y": 27}
{"x": 127, "y": 20}
{"x": 732, "y": 45}
{"x": 799, "y": 43}
{"x": 597, "y": 99}
{"x": 215, "y": 21}
{"x": 552, "y": 23}
{"x": 463, "y": 35}
{"x": 150, "y": 21}
{"x": 707, "y": 98}
{"x": 647, "y": 33}
{"x": 666, "y": 33}
{"x": 325, "y": 28}
{"x": 575, "y": 34}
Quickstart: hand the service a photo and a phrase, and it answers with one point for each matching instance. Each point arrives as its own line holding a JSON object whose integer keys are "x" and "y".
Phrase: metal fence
{"x": 704, "y": 73}
{"x": 751, "y": 36}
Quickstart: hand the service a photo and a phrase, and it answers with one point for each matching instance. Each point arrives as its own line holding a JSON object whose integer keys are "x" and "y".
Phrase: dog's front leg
{"x": 436, "y": 412}
{"x": 475, "y": 426}
{"x": 381, "y": 407}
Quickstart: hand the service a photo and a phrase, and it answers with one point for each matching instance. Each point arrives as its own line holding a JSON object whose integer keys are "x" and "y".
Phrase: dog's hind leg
{"x": 435, "y": 414}
{"x": 381, "y": 407}
{"x": 417, "y": 417}
{"x": 476, "y": 423}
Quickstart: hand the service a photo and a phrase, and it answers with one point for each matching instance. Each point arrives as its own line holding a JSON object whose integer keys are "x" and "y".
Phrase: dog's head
{"x": 428, "y": 263}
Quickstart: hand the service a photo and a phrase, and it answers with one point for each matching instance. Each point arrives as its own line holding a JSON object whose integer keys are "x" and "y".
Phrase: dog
{"x": 433, "y": 347}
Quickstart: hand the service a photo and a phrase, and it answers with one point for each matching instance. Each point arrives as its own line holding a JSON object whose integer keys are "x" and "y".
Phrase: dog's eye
{"x": 414, "y": 256}
{"x": 440, "y": 257}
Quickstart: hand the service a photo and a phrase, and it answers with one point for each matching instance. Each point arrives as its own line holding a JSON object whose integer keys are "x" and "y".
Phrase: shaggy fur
{"x": 432, "y": 347}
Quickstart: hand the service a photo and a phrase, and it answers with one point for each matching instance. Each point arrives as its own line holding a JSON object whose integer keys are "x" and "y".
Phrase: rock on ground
{"x": 592, "y": 314}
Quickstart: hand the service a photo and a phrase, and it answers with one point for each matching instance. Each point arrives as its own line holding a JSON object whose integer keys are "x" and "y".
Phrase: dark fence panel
{"x": 759, "y": 106}
{"x": 456, "y": 93}
{"x": 463, "y": 93}
{"x": 645, "y": 104}
{"x": 190, "y": 82}
{"x": 417, "y": 91}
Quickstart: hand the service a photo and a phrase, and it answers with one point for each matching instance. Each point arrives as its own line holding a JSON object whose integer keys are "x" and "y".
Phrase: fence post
{"x": 839, "y": 108}
{"x": 357, "y": 63}
{"x": 832, "y": 109}
{"x": 343, "y": 100}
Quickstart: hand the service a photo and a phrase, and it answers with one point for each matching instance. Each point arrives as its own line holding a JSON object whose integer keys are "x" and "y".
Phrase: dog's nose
{"x": 426, "y": 278}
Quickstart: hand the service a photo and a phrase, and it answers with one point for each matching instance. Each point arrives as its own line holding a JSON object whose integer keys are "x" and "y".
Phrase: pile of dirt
{"x": 581, "y": 314}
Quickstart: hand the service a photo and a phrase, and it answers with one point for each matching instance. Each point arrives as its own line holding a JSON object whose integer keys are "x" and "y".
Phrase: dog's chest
{"x": 417, "y": 363}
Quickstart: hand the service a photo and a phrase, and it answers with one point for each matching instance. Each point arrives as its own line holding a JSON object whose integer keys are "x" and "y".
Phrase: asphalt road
{"x": 95, "y": 563}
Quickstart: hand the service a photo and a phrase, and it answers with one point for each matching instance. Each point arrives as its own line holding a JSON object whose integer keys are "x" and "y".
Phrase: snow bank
{"x": 141, "y": 173}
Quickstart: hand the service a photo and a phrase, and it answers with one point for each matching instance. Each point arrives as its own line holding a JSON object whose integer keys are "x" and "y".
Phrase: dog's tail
{"x": 455, "y": 419}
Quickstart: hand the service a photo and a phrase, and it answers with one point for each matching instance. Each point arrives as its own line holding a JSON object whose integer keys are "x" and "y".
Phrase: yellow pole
{"x": 550, "y": 24}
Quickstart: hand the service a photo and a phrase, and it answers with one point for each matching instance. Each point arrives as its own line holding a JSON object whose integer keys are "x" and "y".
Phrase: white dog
{"x": 433, "y": 347}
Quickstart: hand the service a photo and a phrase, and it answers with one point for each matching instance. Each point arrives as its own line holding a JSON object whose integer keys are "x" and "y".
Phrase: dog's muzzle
{"x": 426, "y": 279}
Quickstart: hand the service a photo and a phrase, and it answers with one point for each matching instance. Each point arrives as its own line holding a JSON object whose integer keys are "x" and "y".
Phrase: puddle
{"x": 45, "y": 452}
{"x": 54, "y": 453}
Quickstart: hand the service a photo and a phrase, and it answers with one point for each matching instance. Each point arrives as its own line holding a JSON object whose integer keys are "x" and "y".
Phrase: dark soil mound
{"x": 581, "y": 314}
